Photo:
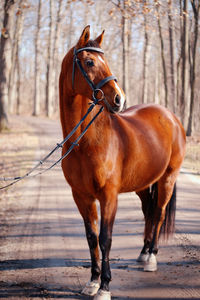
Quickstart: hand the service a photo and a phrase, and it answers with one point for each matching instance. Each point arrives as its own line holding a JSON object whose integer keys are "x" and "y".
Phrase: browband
{"x": 76, "y": 51}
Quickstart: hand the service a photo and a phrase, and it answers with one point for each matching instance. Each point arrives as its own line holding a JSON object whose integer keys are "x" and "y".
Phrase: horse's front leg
{"x": 108, "y": 205}
{"x": 88, "y": 210}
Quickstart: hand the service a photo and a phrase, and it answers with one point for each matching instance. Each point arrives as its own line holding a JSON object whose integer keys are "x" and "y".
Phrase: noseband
{"x": 95, "y": 88}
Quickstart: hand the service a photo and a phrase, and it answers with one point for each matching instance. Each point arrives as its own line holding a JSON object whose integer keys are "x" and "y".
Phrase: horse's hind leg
{"x": 87, "y": 208}
{"x": 166, "y": 186}
{"x": 145, "y": 197}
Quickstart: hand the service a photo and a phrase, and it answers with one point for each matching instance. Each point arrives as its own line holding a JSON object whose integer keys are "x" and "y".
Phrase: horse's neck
{"x": 70, "y": 110}
{"x": 73, "y": 110}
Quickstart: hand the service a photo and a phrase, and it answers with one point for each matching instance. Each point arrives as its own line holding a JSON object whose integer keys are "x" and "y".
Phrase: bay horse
{"x": 138, "y": 149}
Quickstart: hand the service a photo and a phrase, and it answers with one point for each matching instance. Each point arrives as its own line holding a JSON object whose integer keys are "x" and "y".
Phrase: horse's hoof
{"x": 151, "y": 263}
{"x": 91, "y": 288}
{"x": 102, "y": 295}
{"x": 142, "y": 258}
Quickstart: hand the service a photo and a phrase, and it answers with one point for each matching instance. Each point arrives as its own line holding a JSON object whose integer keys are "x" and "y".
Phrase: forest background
{"x": 152, "y": 47}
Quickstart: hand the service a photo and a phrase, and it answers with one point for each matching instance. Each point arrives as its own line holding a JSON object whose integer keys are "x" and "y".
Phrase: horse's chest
{"x": 89, "y": 171}
{"x": 96, "y": 171}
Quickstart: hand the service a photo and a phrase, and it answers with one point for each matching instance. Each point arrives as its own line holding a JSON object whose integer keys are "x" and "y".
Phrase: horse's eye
{"x": 90, "y": 63}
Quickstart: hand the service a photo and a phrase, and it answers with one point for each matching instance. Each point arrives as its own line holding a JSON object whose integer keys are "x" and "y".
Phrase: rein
{"x": 59, "y": 145}
{"x": 95, "y": 88}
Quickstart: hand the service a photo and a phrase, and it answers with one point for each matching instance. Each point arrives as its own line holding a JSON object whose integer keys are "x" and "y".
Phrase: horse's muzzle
{"x": 118, "y": 103}
{"x": 117, "y": 100}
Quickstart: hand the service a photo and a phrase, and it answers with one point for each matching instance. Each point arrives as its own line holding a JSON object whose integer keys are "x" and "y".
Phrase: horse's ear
{"x": 84, "y": 38}
{"x": 99, "y": 39}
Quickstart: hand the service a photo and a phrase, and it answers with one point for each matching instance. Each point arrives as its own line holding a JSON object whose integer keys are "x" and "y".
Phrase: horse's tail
{"x": 168, "y": 226}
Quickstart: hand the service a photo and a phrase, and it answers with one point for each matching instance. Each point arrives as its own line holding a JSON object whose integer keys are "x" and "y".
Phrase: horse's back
{"x": 148, "y": 112}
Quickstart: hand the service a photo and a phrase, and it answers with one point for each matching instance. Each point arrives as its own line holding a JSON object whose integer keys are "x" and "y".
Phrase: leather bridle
{"x": 95, "y": 88}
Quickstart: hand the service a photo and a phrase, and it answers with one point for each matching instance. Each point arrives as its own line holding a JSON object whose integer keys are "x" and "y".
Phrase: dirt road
{"x": 43, "y": 250}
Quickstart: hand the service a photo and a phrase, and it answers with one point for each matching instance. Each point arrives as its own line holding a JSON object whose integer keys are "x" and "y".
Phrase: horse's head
{"x": 91, "y": 76}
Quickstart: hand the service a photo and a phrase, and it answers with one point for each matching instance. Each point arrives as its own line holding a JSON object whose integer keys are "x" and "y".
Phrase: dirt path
{"x": 43, "y": 250}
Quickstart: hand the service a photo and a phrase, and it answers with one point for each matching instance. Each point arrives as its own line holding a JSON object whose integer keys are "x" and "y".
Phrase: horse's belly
{"x": 137, "y": 176}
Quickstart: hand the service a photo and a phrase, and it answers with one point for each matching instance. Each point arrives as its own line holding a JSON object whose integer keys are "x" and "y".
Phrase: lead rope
{"x": 59, "y": 145}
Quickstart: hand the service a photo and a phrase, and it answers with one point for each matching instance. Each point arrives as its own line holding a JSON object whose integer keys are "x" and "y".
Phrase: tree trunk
{"x": 18, "y": 83}
{"x": 179, "y": 64}
{"x": 18, "y": 91}
{"x": 3, "y": 116}
{"x": 185, "y": 65}
{"x": 49, "y": 73}
{"x": 125, "y": 53}
{"x": 196, "y": 9}
{"x": 70, "y": 29}
{"x": 162, "y": 55}
{"x": 157, "y": 78}
{"x": 55, "y": 57}
{"x": 145, "y": 59}
{"x": 11, "y": 82}
{"x": 5, "y": 60}
{"x": 172, "y": 56}
{"x": 12, "y": 91}
{"x": 36, "y": 104}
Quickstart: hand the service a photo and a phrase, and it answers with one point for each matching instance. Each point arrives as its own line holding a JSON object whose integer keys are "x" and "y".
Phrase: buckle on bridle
{"x": 94, "y": 95}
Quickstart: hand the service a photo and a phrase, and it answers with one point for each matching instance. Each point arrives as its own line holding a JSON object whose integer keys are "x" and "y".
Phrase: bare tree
{"x": 125, "y": 51}
{"x": 18, "y": 68}
{"x": 157, "y": 78}
{"x": 146, "y": 53}
{"x": 185, "y": 64}
{"x": 55, "y": 55}
{"x": 50, "y": 71}
{"x": 14, "y": 72}
{"x": 36, "y": 103}
{"x": 71, "y": 30}
{"x": 162, "y": 52}
{"x": 172, "y": 55}
{"x": 5, "y": 60}
{"x": 196, "y": 9}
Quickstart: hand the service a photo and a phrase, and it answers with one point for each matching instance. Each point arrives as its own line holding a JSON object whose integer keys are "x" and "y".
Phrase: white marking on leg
{"x": 142, "y": 258}
{"x": 151, "y": 263}
{"x": 91, "y": 288}
{"x": 102, "y": 295}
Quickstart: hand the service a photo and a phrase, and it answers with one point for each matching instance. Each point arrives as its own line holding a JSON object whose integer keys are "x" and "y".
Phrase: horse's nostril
{"x": 117, "y": 100}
